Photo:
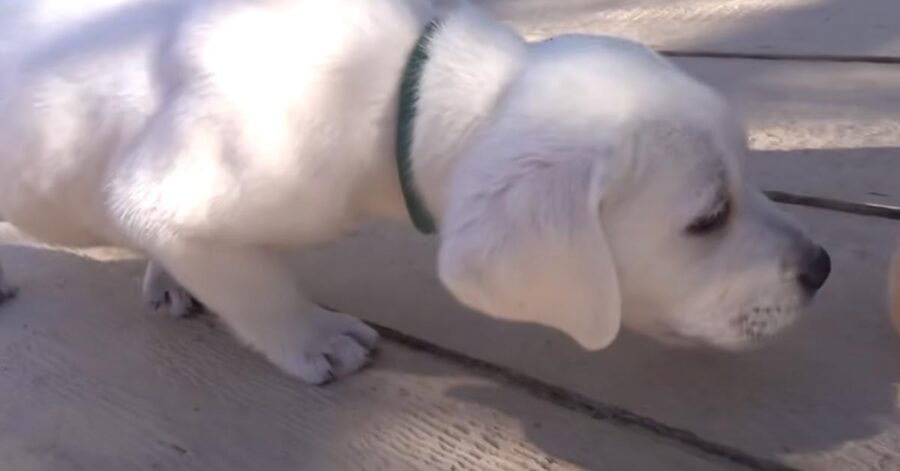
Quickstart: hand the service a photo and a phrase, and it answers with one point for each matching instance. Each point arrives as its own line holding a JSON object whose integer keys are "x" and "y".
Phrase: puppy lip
{"x": 758, "y": 324}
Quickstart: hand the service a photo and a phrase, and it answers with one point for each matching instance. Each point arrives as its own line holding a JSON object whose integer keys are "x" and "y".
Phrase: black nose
{"x": 814, "y": 270}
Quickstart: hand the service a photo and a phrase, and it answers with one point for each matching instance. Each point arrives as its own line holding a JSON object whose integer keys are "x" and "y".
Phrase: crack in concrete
{"x": 863, "y": 59}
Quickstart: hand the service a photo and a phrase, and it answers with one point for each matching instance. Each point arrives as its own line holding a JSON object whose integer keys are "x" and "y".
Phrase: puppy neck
{"x": 472, "y": 61}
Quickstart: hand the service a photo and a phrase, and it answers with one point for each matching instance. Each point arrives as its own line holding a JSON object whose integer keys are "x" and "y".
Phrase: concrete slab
{"x": 824, "y": 397}
{"x": 823, "y": 129}
{"x": 820, "y": 128}
{"x": 90, "y": 380}
{"x": 793, "y": 27}
{"x": 77, "y": 393}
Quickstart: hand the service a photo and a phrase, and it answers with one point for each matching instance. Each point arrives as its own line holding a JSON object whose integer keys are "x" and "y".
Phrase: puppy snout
{"x": 814, "y": 270}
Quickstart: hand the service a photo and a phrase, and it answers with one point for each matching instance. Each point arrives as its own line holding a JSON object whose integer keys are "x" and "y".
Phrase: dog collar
{"x": 409, "y": 96}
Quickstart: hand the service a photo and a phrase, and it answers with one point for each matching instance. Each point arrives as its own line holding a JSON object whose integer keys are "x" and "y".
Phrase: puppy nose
{"x": 814, "y": 270}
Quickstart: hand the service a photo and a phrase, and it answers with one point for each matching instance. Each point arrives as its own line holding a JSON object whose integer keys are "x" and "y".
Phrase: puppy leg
{"x": 7, "y": 291}
{"x": 160, "y": 289}
{"x": 253, "y": 290}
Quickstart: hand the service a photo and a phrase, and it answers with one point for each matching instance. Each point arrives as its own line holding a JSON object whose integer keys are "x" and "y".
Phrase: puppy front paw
{"x": 338, "y": 352}
{"x": 161, "y": 291}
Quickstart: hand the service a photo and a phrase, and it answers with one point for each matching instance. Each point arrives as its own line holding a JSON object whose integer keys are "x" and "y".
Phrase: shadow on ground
{"x": 830, "y": 381}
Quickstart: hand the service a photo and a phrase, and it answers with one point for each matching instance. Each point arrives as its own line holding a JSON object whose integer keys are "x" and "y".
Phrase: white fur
{"x": 211, "y": 135}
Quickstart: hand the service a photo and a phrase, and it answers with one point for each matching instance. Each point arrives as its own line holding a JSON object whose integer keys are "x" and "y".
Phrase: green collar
{"x": 409, "y": 96}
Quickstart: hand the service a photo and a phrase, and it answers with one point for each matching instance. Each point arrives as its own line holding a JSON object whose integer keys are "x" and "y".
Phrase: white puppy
{"x": 580, "y": 182}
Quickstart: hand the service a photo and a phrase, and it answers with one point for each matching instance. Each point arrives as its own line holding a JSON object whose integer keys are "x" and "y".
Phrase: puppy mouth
{"x": 752, "y": 327}
{"x": 759, "y": 323}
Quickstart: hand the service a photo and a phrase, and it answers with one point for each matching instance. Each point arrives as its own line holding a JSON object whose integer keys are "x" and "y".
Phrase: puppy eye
{"x": 711, "y": 221}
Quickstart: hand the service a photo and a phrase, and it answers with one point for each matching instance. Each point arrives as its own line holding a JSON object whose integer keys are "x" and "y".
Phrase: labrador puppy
{"x": 582, "y": 182}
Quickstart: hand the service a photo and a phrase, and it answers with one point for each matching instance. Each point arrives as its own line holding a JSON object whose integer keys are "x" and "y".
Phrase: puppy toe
{"x": 362, "y": 333}
{"x": 346, "y": 355}
{"x": 353, "y": 327}
{"x": 177, "y": 301}
{"x": 313, "y": 368}
{"x": 181, "y": 304}
{"x": 335, "y": 357}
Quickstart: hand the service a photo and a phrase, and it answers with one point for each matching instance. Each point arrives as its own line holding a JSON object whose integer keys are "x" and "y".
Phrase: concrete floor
{"x": 90, "y": 380}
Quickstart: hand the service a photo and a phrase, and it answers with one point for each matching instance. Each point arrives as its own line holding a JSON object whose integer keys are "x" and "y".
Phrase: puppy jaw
{"x": 722, "y": 325}
{"x": 749, "y": 314}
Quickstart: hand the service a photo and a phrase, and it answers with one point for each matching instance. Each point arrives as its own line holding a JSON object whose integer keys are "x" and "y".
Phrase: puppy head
{"x": 704, "y": 258}
{"x": 607, "y": 191}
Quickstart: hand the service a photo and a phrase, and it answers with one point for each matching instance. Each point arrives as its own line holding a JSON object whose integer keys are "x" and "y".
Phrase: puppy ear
{"x": 523, "y": 240}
